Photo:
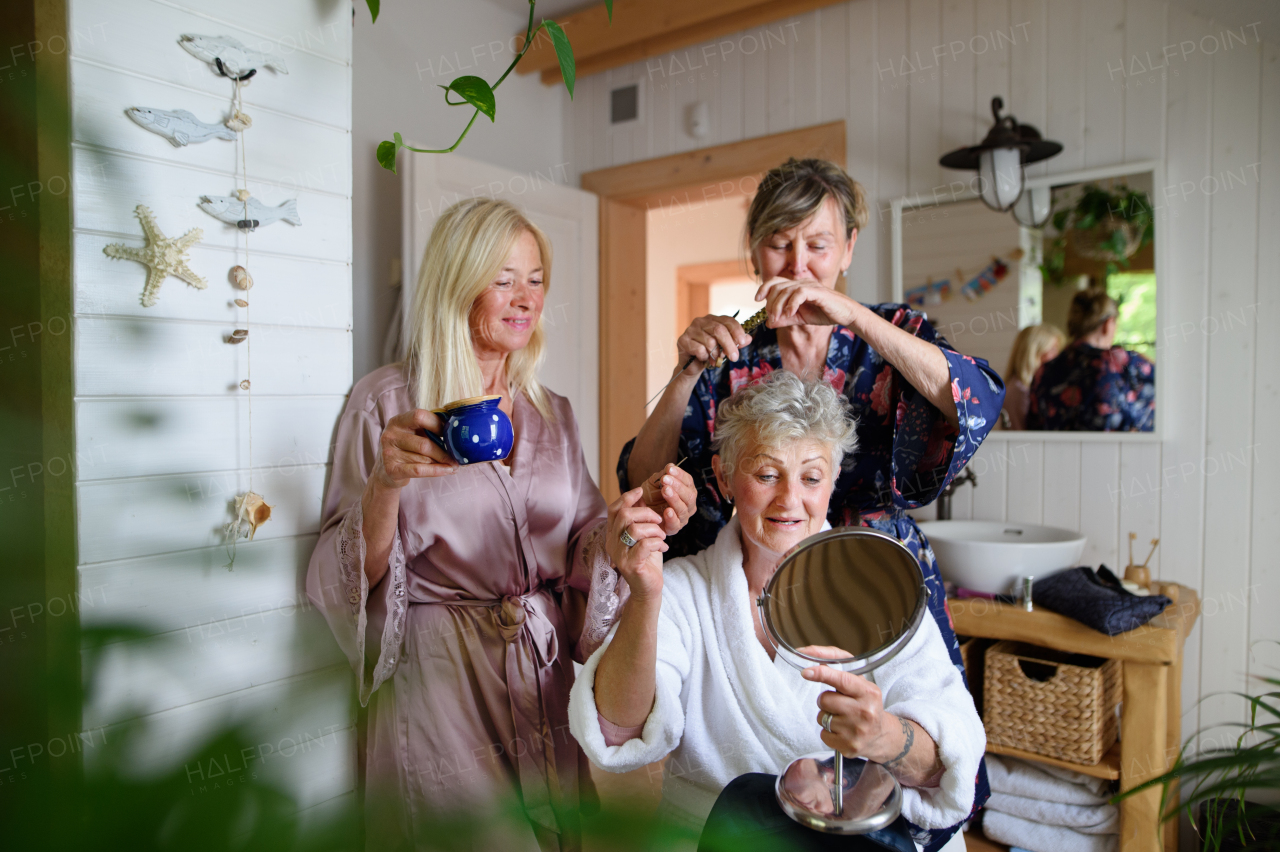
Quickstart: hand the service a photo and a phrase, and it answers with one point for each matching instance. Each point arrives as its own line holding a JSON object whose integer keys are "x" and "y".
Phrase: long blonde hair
{"x": 1032, "y": 342}
{"x": 466, "y": 251}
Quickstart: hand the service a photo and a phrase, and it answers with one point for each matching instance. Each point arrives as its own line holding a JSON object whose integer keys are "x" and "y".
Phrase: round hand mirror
{"x": 849, "y": 598}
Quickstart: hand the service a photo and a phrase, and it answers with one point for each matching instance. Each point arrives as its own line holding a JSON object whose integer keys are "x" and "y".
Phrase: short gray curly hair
{"x": 780, "y": 409}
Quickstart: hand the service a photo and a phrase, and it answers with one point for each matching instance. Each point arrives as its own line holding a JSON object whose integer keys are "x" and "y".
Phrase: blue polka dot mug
{"x": 475, "y": 430}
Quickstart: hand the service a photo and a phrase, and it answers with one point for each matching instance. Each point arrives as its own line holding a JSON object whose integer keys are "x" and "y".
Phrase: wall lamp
{"x": 999, "y": 162}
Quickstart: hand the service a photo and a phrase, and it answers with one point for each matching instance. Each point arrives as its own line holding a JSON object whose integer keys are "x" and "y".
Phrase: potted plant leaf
{"x": 1109, "y": 225}
{"x": 1222, "y": 784}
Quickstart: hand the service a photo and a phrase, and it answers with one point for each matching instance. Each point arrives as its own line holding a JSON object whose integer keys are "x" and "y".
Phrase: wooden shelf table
{"x": 1150, "y": 719}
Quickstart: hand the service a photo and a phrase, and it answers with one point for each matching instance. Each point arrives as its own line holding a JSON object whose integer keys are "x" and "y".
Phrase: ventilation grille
{"x": 624, "y": 104}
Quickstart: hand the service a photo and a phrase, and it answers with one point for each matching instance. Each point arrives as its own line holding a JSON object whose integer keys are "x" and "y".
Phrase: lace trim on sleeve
{"x": 606, "y": 596}
{"x": 352, "y": 554}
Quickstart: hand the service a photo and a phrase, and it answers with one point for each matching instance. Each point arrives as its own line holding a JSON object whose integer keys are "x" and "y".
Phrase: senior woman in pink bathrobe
{"x": 461, "y": 595}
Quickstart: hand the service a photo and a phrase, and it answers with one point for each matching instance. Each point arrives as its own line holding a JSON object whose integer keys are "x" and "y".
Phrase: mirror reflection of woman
{"x": 1094, "y": 385}
{"x": 689, "y": 672}
{"x": 922, "y": 408}
{"x": 1034, "y": 346}
{"x": 462, "y": 595}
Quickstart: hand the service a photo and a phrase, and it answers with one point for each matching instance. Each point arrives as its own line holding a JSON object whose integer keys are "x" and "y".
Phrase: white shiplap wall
{"x": 1081, "y": 72}
{"x": 163, "y": 432}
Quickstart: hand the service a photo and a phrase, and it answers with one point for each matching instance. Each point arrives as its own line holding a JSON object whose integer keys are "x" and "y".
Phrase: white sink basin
{"x": 988, "y": 556}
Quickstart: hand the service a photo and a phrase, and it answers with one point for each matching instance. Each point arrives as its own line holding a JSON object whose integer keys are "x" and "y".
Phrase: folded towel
{"x": 1035, "y": 837}
{"x": 1089, "y": 819}
{"x": 1047, "y": 783}
{"x": 1081, "y": 594}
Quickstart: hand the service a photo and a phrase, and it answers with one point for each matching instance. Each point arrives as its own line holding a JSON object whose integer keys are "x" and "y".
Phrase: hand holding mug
{"x": 403, "y": 454}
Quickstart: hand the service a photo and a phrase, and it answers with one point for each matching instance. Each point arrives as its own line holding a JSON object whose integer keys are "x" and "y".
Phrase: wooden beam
{"x": 622, "y": 333}
{"x": 992, "y": 620}
{"x": 645, "y": 28}
{"x": 1143, "y": 724}
{"x": 713, "y": 172}
{"x": 1108, "y": 767}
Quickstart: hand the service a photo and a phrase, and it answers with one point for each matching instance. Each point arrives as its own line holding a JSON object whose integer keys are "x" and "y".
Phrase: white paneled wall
{"x": 165, "y": 437}
{"x": 1114, "y": 82}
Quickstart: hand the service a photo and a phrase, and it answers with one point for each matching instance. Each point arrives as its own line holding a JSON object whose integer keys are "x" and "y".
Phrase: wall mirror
{"x": 1047, "y": 306}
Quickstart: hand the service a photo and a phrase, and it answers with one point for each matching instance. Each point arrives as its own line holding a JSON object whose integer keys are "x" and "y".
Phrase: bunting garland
{"x": 972, "y": 286}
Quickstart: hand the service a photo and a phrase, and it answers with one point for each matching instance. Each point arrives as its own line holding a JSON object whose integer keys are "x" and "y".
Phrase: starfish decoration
{"x": 162, "y": 256}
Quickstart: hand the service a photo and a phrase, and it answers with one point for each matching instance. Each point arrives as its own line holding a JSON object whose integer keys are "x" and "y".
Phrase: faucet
{"x": 944, "y": 499}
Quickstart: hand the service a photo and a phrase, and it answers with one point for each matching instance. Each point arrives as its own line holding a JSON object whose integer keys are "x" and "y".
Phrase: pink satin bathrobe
{"x": 462, "y": 651}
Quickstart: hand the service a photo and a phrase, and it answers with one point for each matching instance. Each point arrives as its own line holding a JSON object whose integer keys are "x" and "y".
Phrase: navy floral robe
{"x": 907, "y": 453}
{"x": 1087, "y": 389}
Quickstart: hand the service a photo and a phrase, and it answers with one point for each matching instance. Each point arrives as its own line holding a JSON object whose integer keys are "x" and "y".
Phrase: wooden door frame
{"x": 693, "y": 288}
{"x": 626, "y": 194}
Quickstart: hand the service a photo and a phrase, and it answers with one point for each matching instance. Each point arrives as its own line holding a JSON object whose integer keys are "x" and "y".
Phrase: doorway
{"x": 630, "y": 197}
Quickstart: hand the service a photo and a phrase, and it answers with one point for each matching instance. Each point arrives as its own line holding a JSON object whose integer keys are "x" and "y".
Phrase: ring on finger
{"x": 627, "y": 540}
{"x": 825, "y": 721}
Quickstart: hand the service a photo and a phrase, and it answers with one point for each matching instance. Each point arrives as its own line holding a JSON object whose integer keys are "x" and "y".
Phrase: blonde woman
{"x": 461, "y": 596}
{"x": 1033, "y": 346}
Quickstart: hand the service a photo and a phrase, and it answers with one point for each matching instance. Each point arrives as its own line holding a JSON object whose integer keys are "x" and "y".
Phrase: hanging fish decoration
{"x": 228, "y": 56}
{"x": 178, "y": 126}
{"x": 250, "y": 214}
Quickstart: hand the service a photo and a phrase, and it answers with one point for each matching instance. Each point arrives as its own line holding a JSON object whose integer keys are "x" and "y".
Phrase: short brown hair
{"x": 793, "y": 192}
{"x": 1089, "y": 310}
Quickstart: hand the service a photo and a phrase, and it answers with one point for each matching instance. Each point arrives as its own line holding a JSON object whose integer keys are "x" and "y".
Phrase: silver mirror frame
{"x": 853, "y": 665}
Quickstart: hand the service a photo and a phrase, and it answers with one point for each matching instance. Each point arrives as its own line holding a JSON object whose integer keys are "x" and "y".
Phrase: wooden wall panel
{"x": 109, "y": 186}
{"x": 142, "y": 38}
{"x": 1182, "y": 513}
{"x": 1104, "y": 96}
{"x": 125, "y": 518}
{"x": 864, "y": 276}
{"x": 1099, "y": 487}
{"x": 150, "y": 436}
{"x": 150, "y": 357}
{"x": 1264, "y": 591}
{"x": 164, "y": 441}
{"x": 1233, "y": 253}
{"x": 924, "y": 33}
{"x": 288, "y": 291}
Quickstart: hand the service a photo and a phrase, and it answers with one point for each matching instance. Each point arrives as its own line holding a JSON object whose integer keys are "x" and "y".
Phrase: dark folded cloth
{"x": 1096, "y": 599}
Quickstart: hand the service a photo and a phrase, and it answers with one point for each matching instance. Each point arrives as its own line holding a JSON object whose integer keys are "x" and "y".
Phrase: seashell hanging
{"x": 241, "y": 277}
{"x": 240, "y": 335}
{"x": 241, "y": 303}
{"x": 162, "y": 256}
{"x": 239, "y": 121}
{"x": 251, "y": 512}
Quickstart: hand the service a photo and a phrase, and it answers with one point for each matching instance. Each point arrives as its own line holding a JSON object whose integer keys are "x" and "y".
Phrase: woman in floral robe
{"x": 1093, "y": 385}
{"x": 923, "y": 408}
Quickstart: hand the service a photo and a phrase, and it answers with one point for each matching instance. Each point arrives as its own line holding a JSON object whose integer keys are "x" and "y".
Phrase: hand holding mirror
{"x": 849, "y": 598}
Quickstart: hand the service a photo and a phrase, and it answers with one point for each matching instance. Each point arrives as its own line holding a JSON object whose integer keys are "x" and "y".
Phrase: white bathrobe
{"x": 723, "y": 708}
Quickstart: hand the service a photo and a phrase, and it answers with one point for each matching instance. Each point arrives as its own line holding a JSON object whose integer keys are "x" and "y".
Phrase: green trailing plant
{"x": 1221, "y": 778}
{"x": 1099, "y": 209}
{"x": 478, "y": 92}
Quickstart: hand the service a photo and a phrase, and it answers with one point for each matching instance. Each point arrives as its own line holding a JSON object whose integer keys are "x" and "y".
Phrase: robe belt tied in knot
{"x": 532, "y": 648}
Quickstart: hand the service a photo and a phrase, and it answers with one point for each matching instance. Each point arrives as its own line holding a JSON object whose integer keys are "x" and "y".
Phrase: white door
{"x": 571, "y": 316}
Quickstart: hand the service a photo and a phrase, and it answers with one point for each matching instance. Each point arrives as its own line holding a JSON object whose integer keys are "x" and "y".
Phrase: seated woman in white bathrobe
{"x": 689, "y": 675}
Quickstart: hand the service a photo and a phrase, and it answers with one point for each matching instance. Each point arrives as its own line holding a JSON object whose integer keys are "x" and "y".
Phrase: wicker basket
{"x": 1051, "y": 703}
